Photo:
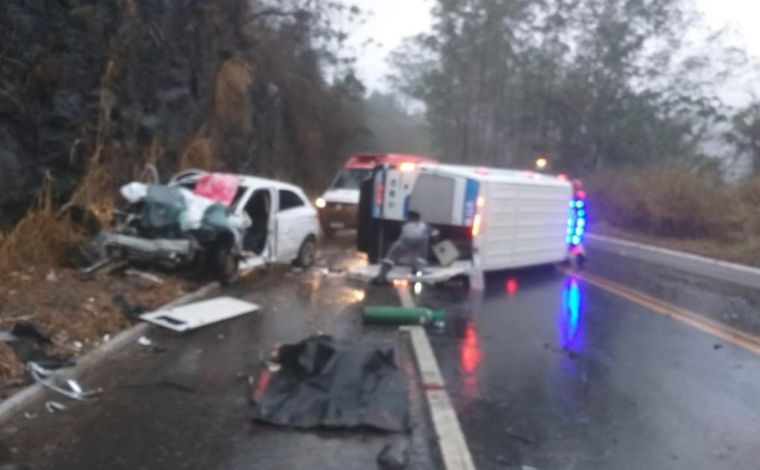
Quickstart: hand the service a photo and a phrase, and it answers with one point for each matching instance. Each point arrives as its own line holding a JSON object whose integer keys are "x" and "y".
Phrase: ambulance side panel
{"x": 523, "y": 224}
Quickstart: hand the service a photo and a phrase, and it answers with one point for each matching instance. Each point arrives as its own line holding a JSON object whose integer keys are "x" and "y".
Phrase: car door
{"x": 293, "y": 224}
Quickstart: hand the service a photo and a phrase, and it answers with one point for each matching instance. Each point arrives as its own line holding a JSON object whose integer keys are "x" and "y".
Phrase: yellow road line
{"x": 699, "y": 321}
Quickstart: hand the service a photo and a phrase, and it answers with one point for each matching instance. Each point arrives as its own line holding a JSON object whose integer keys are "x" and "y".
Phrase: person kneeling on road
{"x": 413, "y": 242}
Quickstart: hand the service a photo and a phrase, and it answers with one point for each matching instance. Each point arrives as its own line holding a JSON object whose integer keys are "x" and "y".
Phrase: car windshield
{"x": 351, "y": 178}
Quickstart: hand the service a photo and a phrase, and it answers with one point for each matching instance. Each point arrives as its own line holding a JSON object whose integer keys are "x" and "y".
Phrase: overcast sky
{"x": 391, "y": 21}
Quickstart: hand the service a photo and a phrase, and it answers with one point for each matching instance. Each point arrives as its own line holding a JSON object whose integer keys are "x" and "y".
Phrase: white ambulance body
{"x": 497, "y": 219}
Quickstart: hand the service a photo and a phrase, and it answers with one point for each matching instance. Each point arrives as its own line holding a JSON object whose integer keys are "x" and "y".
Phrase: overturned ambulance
{"x": 488, "y": 219}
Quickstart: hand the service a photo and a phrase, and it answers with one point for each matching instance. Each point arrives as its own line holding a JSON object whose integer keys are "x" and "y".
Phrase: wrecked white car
{"x": 214, "y": 223}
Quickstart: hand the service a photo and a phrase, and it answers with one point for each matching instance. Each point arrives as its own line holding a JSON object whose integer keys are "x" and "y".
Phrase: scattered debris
{"x": 30, "y": 415}
{"x": 569, "y": 352}
{"x": 54, "y": 406}
{"x": 33, "y": 331}
{"x": 165, "y": 383}
{"x": 195, "y": 315}
{"x": 106, "y": 338}
{"x": 150, "y": 345}
{"x": 330, "y": 273}
{"x": 272, "y": 366}
{"x": 77, "y": 345}
{"x": 8, "y": 337}
{"x": 401, "y": 315}
{"x": 67, "y": 387}
{"x": 395, "y": 455}
{"x": 518, "y": 437}
{"x": 717, "y": 346}
{"x": 152, "y": 278}
{"x": 130, "y": 310}
{"x": 323, "y": 384}
{"x": 51, "y": 276}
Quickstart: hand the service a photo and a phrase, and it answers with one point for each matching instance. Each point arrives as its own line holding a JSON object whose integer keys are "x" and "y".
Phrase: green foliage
{"x": 593, "y": 83}
{"x": 745, "y": 133}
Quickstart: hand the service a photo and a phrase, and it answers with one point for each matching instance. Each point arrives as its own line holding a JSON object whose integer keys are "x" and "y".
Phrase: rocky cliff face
{"x": 129, "y": 81}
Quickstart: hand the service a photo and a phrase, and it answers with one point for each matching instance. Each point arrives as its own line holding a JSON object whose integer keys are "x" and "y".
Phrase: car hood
{"x": 342, "y": 196}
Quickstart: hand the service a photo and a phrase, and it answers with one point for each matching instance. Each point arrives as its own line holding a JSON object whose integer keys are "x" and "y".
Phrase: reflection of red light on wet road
{"x": 469, "y": 350}
{"x": 261, "y": 385}
{"x": 511, "y": 287}
{"x": 469, "y": 356}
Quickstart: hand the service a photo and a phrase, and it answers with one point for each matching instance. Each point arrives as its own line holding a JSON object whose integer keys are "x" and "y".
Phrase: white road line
{"x": 453, "y": 446}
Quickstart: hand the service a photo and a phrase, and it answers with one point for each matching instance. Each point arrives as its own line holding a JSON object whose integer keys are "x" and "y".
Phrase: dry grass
{"x": 230, "y": 103}
{"x": 669, "y": 202}
{"x": 199, "y": 153}
{"x": 676, "y": 208}
{"x": 42, "y": 238}
{"x": 10, "y": 367}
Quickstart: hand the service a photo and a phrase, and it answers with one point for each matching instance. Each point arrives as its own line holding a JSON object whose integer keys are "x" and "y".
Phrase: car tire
{"x": 307, "y": 253}
{"x": 223, "y": 264}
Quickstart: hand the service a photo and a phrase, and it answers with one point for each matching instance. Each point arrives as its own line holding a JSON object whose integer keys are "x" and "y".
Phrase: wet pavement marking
{"x": 727, "y": 333}
{"x": 451, "y": 442}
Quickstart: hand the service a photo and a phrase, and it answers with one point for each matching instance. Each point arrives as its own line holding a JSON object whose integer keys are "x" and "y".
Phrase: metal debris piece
{"x": 97, "y": 266}
{"x": 144, "y": 341}
{"x": 33, "y": 331}
{"x": 54, "y": 406}
{"x": 8, "y": 337}
{"x": 152, "y": 278}
{"x": 272, "y": 366}
{"x": 195, "y": 315}
{"x": 130, "y": 310}
{"x": 67, "y": 387}
{"x": 30, "y": 415}
{"x": 395, "y": 455}
{"x": 518, "y": 437}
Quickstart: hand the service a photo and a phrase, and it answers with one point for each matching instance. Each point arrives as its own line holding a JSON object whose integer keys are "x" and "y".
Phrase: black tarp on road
{"x": 323, "y": 384}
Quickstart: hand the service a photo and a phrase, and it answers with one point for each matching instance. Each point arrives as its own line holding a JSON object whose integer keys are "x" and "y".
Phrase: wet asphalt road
{"x": 548, "y": 372}
{"x": 187, "y": 408}
{"x": 544, "y": 370}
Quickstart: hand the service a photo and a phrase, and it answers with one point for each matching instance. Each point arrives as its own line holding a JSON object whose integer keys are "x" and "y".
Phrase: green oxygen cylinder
{"x": 401, "y": 315}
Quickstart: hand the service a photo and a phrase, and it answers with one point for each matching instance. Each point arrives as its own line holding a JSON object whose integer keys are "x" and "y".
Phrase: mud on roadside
{"x": 79, "y": 312}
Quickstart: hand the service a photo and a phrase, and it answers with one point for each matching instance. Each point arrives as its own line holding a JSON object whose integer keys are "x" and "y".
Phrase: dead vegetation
{"x": 676, "y": 207}
{"x": 10, "y": 367}
{"x": 230, "y": 101}
{"x": 42, "y": 238}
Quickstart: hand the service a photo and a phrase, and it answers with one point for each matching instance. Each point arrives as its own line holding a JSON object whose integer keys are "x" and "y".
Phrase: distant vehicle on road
{"x": 254, "y": 221}
{"x": 489, "y": 219}
{"x": 338, "y": 205}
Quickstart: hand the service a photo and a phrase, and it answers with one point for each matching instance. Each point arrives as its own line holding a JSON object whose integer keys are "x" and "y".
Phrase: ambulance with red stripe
{"x": 338, "y": 205}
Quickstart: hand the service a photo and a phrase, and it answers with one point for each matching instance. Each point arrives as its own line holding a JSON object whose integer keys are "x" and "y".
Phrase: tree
{"x": 593, "y": 83}
{"x": 745, "y": 134}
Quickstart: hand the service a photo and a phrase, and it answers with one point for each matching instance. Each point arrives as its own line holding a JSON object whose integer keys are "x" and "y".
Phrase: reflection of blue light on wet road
{"x": 572, "y": 314}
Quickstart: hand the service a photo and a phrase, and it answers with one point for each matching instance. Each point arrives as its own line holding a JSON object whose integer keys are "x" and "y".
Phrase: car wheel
{"x": 307, "y": 253}
{"x": 224, "y": 264}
